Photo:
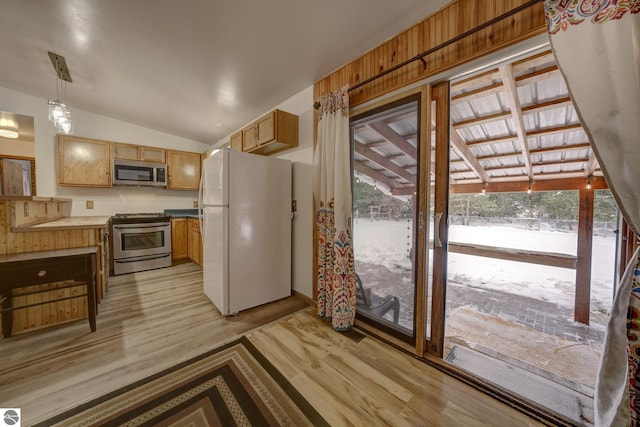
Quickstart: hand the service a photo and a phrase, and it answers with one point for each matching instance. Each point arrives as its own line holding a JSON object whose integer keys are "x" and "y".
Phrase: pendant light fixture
{"x": 59, "y": 113}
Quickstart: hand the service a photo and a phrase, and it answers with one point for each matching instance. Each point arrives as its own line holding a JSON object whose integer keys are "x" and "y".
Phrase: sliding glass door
{"x": 385, "y": 177}
{"x": 388, "y": 215}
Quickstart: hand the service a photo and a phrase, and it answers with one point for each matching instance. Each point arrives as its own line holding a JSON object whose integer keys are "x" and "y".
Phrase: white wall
{"x": 302, "y": 159}
{"x": 107, "y": 201}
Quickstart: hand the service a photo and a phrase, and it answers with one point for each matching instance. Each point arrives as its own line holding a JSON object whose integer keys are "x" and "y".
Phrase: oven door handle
{"x": 141, "y": 225}
{"x": 140, "y": 258}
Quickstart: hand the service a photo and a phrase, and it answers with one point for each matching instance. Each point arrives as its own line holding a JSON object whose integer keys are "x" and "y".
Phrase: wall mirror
{"x": 17, "y": 155}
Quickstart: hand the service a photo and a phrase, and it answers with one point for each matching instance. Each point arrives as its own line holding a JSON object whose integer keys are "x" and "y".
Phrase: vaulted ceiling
{"x": 200, "y": 69}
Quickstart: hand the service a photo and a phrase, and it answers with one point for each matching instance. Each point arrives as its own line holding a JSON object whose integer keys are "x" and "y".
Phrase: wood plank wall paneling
{"x": 10, "y": 242}
{"x": 455, "y": 19}
{"x": 34, "y": 212}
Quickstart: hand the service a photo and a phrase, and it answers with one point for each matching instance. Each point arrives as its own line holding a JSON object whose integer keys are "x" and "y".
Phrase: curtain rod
{"x": 420, "y": 56}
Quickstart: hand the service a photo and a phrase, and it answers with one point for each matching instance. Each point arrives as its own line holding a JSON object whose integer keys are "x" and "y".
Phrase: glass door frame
{"x": 434, "y": 345}
{"x": 417, "y": 343}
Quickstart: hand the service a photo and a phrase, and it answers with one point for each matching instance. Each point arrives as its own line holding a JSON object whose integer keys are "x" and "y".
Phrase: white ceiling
{"x": 199, "y": 69}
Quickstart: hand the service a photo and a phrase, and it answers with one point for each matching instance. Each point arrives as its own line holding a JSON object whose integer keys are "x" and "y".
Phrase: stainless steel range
{"x": 141, "y": 241}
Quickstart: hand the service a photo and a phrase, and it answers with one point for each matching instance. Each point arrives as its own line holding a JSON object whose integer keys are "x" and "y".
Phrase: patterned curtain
{"x": 336, "y": 281}
{"x": 597, "y": 47}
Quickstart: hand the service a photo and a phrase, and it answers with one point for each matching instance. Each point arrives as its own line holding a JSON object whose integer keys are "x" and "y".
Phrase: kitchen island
{"x": 33, "y": 224}
{"x": 29, "y": 269}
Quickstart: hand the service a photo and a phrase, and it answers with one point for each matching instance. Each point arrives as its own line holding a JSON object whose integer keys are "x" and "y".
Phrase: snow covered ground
{"x": 385, "y": 245}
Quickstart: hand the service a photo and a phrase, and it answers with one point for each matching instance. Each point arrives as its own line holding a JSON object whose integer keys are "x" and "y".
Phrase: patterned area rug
{"x": 231, "y": 385}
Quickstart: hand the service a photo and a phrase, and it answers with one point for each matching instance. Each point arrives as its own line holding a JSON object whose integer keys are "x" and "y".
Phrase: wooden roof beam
{"x": 492, "y": 89}
{"x": 524, "y": 178}
{"x": 561, "y": 163}
{"x": 467, "y": 155}
{"x": 580, "y": 146}
{"x": 384, "y": 162}
{"x": 538, "y": 165}
{"x": 530, "y": 109}
{"x": 404, "y": 191}
{"x": 479, "y": 79}
{"x": 505, "y": 167}
{"x": 477, "y": 93}
{"x": 537, "y": 76}
{"x": 506, "y": 73}
{"x": 530, "y": 134}
{"x": 591, "y": 165}
{"x": 566, "y": 175}
{"x": 376, "y": 175}
{"x": 536, "y": 60}
{"x": 563, "y": 148}
{"x": 387, "y": 133}
{"x": 489, "y": 76}
{"x": 482, "y": 120}
{"x": 597, "y": 183}
{"x": 553, "y": 130}
{"x": 551, "y": 104}
{"x": 490, "y": 141}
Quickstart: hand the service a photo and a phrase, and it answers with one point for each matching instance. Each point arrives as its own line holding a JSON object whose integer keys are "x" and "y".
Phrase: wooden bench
{"x": 43, "y": 267}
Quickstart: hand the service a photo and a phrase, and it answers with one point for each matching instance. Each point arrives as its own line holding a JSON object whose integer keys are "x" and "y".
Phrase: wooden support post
{"x": 583, "y": 264}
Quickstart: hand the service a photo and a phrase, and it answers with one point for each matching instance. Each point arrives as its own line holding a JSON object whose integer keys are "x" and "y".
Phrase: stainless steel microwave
{"x": 131, "y": 172}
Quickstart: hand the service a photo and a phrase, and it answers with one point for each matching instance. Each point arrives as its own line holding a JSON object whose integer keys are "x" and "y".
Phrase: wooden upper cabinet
{"x": 151, "y": 154}
{"x": 273, "y": 132}
{"x": 236, "y": 141}
{"x": 183, "y": 170}
{"x": 249, "y": 139}
{"x": 83, "y": 161}
{"x": 138, "y": 152}
{"x": 265, "y": 128}
{"x": 125, "y": 151}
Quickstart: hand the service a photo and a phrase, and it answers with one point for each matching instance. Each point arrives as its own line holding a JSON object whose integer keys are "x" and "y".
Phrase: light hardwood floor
{"x": 368, "y": 383}
{"x": 149, "y": 321}
{"x": 152, "y": 320}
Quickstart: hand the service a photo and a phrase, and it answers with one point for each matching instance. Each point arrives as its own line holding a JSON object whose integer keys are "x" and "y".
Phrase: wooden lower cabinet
{"x": 195, "y": 242}
{"x": 186, "y": 242}
{"x": 179, "y": 238}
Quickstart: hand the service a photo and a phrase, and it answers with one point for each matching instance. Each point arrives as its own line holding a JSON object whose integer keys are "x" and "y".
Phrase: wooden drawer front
{"x": 36, "y": 273}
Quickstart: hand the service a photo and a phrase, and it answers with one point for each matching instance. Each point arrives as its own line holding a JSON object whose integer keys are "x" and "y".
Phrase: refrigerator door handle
{"x": 201, "y": 223}
{"x": 200, "y": 203}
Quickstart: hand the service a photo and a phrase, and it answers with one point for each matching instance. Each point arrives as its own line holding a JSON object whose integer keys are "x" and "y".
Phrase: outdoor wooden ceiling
{"x": 511, "y": 124}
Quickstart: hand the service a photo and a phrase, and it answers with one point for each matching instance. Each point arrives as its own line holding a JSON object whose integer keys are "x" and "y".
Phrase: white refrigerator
{"x": 245, "y": 202}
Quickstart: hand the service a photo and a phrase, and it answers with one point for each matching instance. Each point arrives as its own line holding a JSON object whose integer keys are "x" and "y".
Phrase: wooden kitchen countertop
{"x": 66, "y": 223}
{"x": 34, "y": 199}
